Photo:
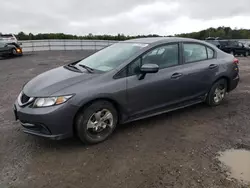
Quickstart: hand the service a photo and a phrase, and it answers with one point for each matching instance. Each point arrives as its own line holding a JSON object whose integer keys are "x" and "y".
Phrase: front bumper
{"x": 54, "y": 122}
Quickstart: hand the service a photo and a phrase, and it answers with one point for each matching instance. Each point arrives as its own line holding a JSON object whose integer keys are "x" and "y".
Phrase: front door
{"x": 156, "y": 90}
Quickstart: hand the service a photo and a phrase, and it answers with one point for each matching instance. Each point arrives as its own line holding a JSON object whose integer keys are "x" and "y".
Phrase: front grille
{"x": 24, "y": 98}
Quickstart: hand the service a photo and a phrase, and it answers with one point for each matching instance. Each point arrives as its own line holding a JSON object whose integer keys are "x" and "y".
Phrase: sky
{"x": 130, "y": 17}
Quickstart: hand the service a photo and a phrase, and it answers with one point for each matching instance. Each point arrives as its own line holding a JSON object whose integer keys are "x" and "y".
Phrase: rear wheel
{"x": 96, "y": 122}
{"x": 217, "y": 93}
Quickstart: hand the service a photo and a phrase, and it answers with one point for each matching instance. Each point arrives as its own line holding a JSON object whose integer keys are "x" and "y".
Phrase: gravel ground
{"x": 176, "y": 149}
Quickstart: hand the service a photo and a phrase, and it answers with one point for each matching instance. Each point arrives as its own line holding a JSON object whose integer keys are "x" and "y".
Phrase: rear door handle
{"x": 213, "y": 66}
{"x": 176, "y": 75}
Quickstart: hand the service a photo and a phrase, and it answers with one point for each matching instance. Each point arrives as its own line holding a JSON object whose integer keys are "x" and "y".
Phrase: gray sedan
{"x": 124, "y": 82}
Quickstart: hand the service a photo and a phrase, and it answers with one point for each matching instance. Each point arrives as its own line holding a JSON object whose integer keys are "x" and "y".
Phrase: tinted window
{"x": 121, "y": 74}
{"x": 223, "y": 43}
{"x": 164, "y": 56}
{"x": 210, "y": 53}
{"x": 134, "y": 67}
{"x": 233, "y": 43}
{"x": 241, "y": 44}
{"x": 194, "y": 52}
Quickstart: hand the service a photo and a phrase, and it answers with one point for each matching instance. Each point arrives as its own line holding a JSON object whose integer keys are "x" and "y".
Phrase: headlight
{"x": 50, "y": 101}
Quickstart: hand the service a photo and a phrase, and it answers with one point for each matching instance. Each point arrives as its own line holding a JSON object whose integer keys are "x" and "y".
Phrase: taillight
{"x": 236, "y": 61}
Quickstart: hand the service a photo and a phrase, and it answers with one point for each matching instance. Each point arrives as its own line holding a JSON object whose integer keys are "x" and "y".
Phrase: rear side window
{"x": 194, "y": 52}
{"x": 197, "y": 52}
{"x": 210, "y": 53}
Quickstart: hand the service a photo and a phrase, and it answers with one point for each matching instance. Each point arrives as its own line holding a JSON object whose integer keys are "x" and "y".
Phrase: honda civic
{"x": 124, "y": 82}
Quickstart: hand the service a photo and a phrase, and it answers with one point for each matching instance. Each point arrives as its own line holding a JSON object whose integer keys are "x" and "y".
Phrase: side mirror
{"x": 148, "y": 68}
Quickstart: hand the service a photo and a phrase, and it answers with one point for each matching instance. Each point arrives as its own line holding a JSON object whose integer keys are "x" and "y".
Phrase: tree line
{"x": 222, "y": 32}
{"x": 42, "y": 36}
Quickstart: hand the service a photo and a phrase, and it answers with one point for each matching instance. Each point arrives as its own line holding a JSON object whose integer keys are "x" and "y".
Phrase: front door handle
{"x": 213, "y": 66}
{"x": 176, "y": 75}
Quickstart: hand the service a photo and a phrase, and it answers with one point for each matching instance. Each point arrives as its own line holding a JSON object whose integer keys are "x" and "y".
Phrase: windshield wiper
{"x": 72, "y": 66}
{"x": 90, "y": 70}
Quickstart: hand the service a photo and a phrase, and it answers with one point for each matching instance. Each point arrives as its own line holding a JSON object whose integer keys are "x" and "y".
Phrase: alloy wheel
{"x": 219, "y": 93}
{"x": 100, "y": 123}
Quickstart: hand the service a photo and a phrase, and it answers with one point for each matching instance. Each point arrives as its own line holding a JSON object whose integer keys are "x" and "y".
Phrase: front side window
{"x": 134, "y": 67}
{"x": 164, "y": 56}
{"x": 194, "y": 52}
{"x": 112, "y": 56}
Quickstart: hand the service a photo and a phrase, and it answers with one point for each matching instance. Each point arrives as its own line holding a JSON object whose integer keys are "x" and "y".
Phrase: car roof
{"x": 151, "y": 40}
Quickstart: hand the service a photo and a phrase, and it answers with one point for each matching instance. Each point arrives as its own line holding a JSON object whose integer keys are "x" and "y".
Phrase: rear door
{"x": 199, "y": 70}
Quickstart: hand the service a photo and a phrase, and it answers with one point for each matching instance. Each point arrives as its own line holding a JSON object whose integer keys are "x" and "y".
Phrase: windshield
{"x": 112, "y": 56}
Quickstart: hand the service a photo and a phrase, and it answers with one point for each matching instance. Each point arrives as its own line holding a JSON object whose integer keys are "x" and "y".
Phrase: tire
{"x": 14, "y": 52}
{"x": 219, "y": 87}
{"x": 92, "y": 116}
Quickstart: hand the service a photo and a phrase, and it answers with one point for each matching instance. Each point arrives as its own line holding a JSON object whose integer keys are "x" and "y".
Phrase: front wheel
{"x": 96, "y": 122}
{"x": 217, "y": 93}
{"x": 14, "y": 52}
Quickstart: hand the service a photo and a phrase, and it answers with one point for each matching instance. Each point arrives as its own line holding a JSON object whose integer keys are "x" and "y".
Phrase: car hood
{"x": 52, "y": 81}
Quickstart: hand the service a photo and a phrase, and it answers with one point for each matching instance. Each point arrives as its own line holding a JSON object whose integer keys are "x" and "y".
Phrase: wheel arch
{"x": 225, "y": 78}
{"x": 116, "y": 105}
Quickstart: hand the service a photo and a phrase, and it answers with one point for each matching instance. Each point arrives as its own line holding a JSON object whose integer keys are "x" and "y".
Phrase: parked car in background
{"x": 236, "y": 48}
{"x": 8, "y": 38}
{"x": 213, "y": 42}
{"x": 230, "y": 46}
{"x": 124, "y": 82}
{"x": 7, "y": 49}
{"x": 218, "y": 43}
{"x": 247, "y": 46}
